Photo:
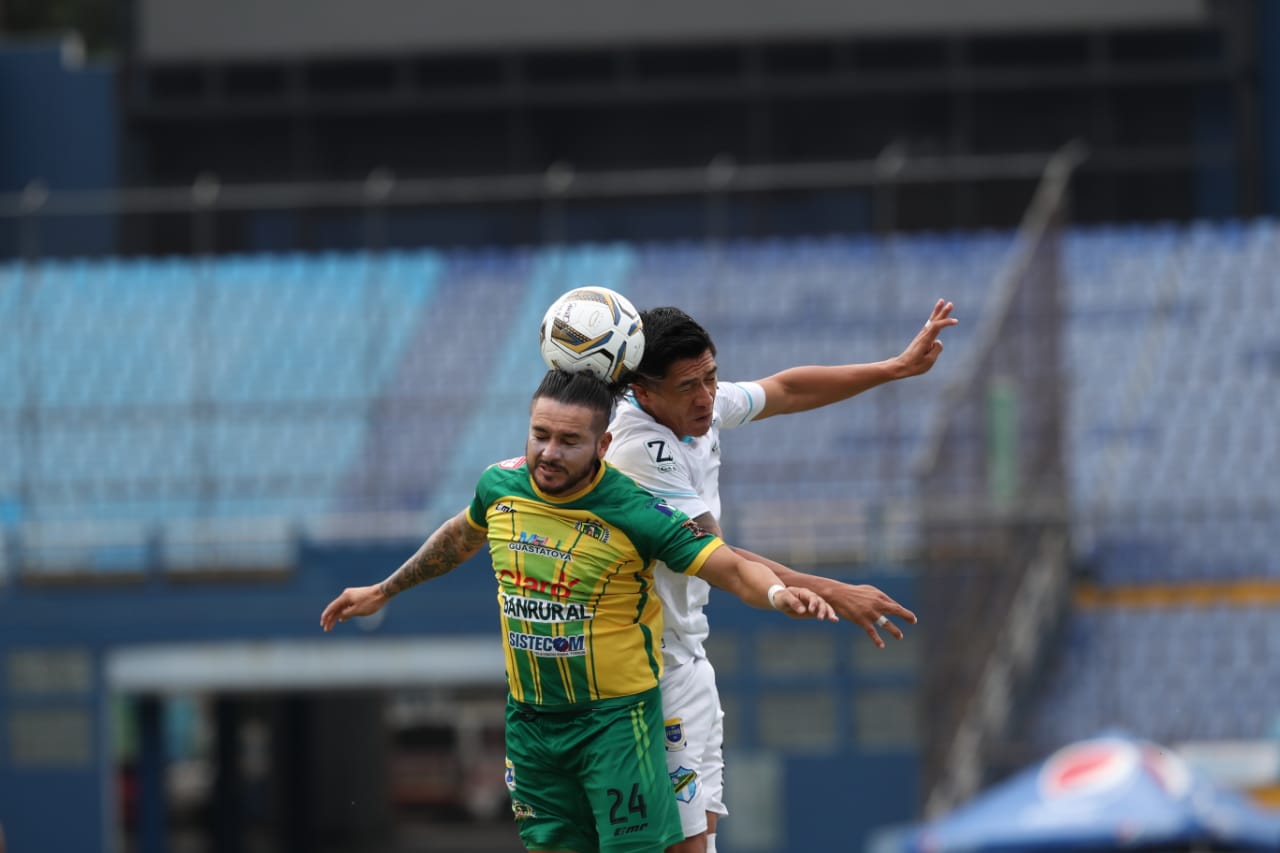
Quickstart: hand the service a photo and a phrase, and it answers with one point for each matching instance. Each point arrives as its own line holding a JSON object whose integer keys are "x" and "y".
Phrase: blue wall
{"x": 835, "y": 798}
{"x": 71, "y": 147}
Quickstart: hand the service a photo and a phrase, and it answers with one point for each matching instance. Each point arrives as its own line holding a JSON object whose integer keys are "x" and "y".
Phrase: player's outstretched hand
{"x": 354, "y": 601}
{"x": 925, "y": 347}
{"x": 800, "y": 603}
{"x": 869, "y": 607}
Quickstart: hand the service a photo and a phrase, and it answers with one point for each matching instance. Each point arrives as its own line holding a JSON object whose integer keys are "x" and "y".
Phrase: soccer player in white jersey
{"x": 666, "y": 436}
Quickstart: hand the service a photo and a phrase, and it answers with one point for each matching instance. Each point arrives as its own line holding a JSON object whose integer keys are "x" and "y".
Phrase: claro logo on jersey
{"x": 572, "y": 646}
{"x": 532, "y": 544}
{"x": 540, "y": 610}
{"x": 560, "y": 588}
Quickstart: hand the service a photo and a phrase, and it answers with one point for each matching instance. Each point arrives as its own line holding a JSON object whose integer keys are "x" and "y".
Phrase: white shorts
{"x": 694, "y": 725}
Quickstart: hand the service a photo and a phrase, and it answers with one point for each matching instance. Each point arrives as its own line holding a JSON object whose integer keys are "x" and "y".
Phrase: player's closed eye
{"x": 696, "y": 386}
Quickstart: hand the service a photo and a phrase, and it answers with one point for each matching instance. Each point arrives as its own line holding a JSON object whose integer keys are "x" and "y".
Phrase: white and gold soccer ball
{"x": 593, "y": 329}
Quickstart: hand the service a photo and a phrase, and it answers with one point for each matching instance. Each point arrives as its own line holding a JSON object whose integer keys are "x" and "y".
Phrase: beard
{"x": 560, "y": 480}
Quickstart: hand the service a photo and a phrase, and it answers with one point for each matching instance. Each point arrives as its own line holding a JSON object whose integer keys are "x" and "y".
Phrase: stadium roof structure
{"x": 1112, "y": 792}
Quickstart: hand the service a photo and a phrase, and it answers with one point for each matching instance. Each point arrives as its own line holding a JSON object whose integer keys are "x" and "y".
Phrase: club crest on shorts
{"x": 675, "y": 734}
{"x": 510, "y": 775}
{"x": 522, "y": 811}
{"x": 684, "y": 783}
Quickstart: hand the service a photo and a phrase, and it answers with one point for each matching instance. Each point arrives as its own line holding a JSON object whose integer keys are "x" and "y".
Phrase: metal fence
{"x": 993, "y": 498}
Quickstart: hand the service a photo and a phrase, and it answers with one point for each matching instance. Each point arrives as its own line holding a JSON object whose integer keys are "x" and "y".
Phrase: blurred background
{"x": 270, "y": 279}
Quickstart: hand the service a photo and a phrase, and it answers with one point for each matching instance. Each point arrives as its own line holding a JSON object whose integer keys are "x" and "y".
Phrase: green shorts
{"x": 593, "y": 779}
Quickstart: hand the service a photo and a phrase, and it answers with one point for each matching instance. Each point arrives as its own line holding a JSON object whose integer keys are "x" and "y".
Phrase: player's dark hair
{"x": 670, "y": 335}
{"x": 580, "y": 389}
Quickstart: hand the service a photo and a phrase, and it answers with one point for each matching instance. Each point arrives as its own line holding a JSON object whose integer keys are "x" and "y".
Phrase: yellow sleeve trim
{"x": 477, "y": 525}
{"x": 698, "y": 561}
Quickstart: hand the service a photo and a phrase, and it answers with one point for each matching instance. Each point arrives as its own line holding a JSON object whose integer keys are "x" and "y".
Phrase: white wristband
{"x": 774, "y": 590}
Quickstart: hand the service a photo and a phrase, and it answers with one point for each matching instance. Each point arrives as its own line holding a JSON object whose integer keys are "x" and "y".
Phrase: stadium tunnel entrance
{"x": 279, "y": 746}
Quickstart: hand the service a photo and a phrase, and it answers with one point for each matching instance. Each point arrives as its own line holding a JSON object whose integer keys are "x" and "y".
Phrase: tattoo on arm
{"x": 708, "y": 522}
{"x": 450, "y": 546}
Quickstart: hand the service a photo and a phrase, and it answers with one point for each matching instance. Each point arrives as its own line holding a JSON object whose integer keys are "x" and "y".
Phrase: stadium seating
{"x": 154, "y": 394}
{"x": 1170, "y": 674}
{"x": 1165, "y": 464}
{"x": 1174, "y": 389}
{"x": 297, "y": 386}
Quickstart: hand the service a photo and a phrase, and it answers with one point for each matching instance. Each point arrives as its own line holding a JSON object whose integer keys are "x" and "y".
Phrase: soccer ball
{"x": 593, "y": 329}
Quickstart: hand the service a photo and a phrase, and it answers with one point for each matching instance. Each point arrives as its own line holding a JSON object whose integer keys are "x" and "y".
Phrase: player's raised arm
{"x": 453, "y": 543}
{"x": 757, "y": 585}
{"x": 799, "y": 389}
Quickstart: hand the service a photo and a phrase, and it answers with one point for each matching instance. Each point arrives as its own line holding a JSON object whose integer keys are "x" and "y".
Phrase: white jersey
{"x": 685, "y": 472}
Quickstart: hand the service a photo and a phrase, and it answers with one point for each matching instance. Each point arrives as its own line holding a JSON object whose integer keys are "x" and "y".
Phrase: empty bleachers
{"x": 1172, "y": 400}
{"x": 172, "y": 392}
{"x": 1170, "y": 673}
{"x": 143, "y": 396}
{"x": 1172, "y": 438}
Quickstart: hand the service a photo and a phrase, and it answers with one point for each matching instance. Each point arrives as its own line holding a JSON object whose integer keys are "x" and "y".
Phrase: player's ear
{"x": 605, "y": 441}
{"x": 640, "y": 392}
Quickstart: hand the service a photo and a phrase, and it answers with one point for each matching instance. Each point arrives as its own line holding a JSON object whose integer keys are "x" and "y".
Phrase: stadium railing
{"x": 992, "y": 490}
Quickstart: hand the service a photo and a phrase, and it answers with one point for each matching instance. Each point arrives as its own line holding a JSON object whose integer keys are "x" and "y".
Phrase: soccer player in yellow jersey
{"x": 573, "y": 544}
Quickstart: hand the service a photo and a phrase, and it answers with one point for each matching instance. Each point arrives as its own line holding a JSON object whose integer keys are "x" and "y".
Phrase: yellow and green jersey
{"x": 580, "y": 620}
